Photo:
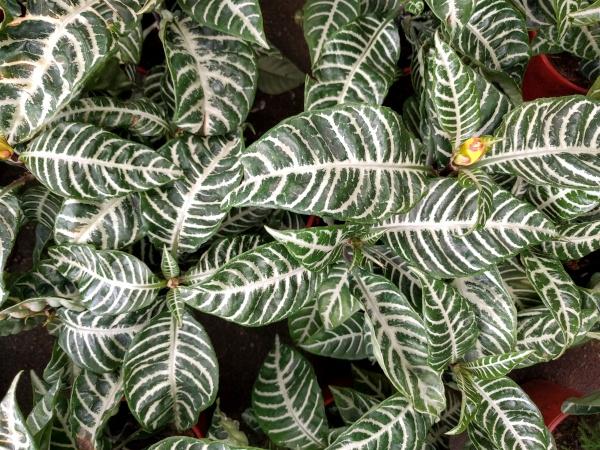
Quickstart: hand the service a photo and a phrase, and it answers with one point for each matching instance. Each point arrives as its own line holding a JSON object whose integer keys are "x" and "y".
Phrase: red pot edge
{"x": 549, "y": 397}
{"x": 543, "y": 58}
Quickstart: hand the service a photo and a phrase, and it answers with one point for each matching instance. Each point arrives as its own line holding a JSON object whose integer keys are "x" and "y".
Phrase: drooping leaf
{"x": 170, "y": 372}
{"x": 400, "y": 343}
{"x": 357, "y": 64}
{"x": 287, "y": 400}
{"x": 185, "y": 214}
{"x": 590, "y": 404}
{"x": 38, "y": 306}
{"x": 367, "y": 167}
{"x": 94, "y": 400}
{"x": 256, "y": 288}
{"x": 276, "y": 73}
{"x": 575, "y": 241}
{"x": 241, "y": 18}
{"x": 13, "y": 430}
{"x": 548, "y": 141}
{"x": 335, "y": 300}
{"x": 99, "y": 343}
{"x": 561, "y": 204}
{"x": 83, "y": 161}
{"x": 433, "y": 235}
{"x": 495, "y": 366}
{"x": 110, "y": 282}
{"x": 109, "y": 224}
{"x": 452, "y": 13}
{"x": 352, "y": 404}
{"x": 214, "y": 76}
{"x": 10, "y": 220}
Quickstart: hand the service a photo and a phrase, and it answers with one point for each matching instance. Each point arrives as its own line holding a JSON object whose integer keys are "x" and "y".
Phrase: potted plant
{"x": 438, "y": 256}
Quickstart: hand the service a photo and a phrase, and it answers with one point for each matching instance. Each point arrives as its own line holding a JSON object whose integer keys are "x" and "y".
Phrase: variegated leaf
{"x": 140, "y": 117}
{"x": 86, "y": 162}
{"x": 518, "y": 285}
{"x": 321, "y": 20}
{"x": 585, "y": 15}
{"x": 175, "y": 305}
{"x": 485, "y": 188}
{"x": 151, "y": 85}
{"x": 170, "y": 372}
{"x": 400, "y": 343}
{"x": 60, "y": 367}
{"x": 432, "y": 236}
{"x": 590, "y": 404}
{"x": 561, "y": 204}
{"x": 44, "y": 280}
{"x": 452, "y": 13}
{"x": 129, "y": 44}
{"x": 575, "y": 241}
{"x": 556, "y": 289}
{"x": 562, "y": 10}
{"x": 110, "y": 224}
{"x": 547, "y": 142}
{"x": 94, "y": 400}
{"x": 352, "y": 404}
{"x": 256, "y": 288}
{"x": 495, "y": 366}
{"x": 226, "y": 430}
{"x": 217, "y": 255}
{"x": 10, "y": 220}
{"x": 357, "y": 64}
{"x": 14, "y": 434}
{"x": 188, "y": 443}
{"x": 41, "y": 206}
{"x": 214, "y": 76}
{"x": 185, "y": 214}
{"x": 372, "y": 383}
{"x": 348, "y": 341}
{"x": 39, "y": 421}
{"x": 276, "y": 73}
{"x": 287, "y": 400}
{"x": 393, "y": 423}
{"x": 110, "y": 282}
{"x": 241, "y": 18}
{"x": 497, "y": 319}
{"x": 77, "y": 39}
{"x": 168, "y": 265}
{"x": 99, "y": 343}
{"x": 38, "y": 306}
{"x": 438, "y": 435}
{"x": 240, "y": 220}
{"x": 335, "y": 300}
{"x": 356, "y": 173}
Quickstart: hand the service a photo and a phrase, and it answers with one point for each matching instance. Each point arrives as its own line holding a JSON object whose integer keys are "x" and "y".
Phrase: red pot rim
{"x": 551, "y": 68}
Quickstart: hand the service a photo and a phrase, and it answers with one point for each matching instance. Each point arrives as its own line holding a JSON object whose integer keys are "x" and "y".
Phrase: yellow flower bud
{"x": 6, "y": 151}
{"x": 471, "y": 150}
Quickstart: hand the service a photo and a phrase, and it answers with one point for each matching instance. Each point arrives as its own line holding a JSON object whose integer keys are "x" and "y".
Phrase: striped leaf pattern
{"x": 139, "y": 116}
{"x": 188, "y": 443}
{"x": 129, "y": 44}
{"x": 393, "y": 423}
{"x": 352, "y": 404}
{"x": 86, "y": 162}
{"x": 348, "y": 341}
{"x": 372, "y": 383}
{"x": 589, "y": 15}
{"x": 287, "y": 400}
{"x": 485, "y": 187}
{"x": 453, "y": 13}
{"x": 357, "y": 64}
{"x": 335, "y": 301}
{"x": 400, "y": 343}
{"x": 556, "y": 289}
{"x": 39, "y": 82}
{"x": 214, "y": 76}
{"x": 561, "y": 204}
{"x": 454, "y": 93}
{"x": 170, "y": 372}
{"x": 10, "y": 220}
{"x": 562, "y": 11}
{"x": 372, "y": 165}
{"x": 517, "y": 284}
{"x": 590, "y": 404}
{"x": 94, "y": 400}
{"x": 433, "y": 235}
{"x": 44, "y": 280}
{"x": 256, "y": 288}
{"x": 495, "y": 366}
{"x": 39, "y": 420}
{"x": 548, "y": 142}
{"x": 321, "y": 20}
{"x": 14, "y": 434}
{"x": 495, "y": 37}
{"x": 108, "y": 225}
{"x": 185, "y": 214}
{"x": 168, "y": 265}
{"x": 240, "y": 220}
{"x": 110, "y": 282}
{"x": 98, "y": 343}
{"x": 41, "y": 206}
{"x": 576, "y": 241}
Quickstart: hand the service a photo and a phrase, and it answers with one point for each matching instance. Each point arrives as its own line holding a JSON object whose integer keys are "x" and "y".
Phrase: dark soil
{"x": 568, "y": 66}
{"x": 578, "y": 433}
{"x": 566, "y": 434}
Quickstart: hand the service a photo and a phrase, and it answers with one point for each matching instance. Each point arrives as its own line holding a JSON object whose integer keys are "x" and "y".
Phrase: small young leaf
{"x": 496, "y": 366}
{"x": 13, "y": 429}
{"x": 351, "y": 404}
{"x": 168, "y": 265}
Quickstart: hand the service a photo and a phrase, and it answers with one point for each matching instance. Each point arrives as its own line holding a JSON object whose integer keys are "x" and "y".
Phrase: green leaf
{"x": 518, "y": 285}
{"x": 438, "y": 435}
{"x": 168, "y": 265}
{"x": 175, "y": 305}
{"x": 590, "y": 404}
{"x": 13, "y": 429}
{"x": 140, "y": 116}
{"x": 261, "y": 286}
{"x": 556, "y": 289}
{"x": 240, "y": 220}
{"x": 38, "y": 306}
{"x": 497, "y": 320}
{"x": 214, "y": 77}
{"x": 287, "y": 400}
{"x": 433, "y": 235}
{"x": 588, "y": 15}
{"x": 453, "y": 92}
{"x": 226, "y": 430}
{"x": 546, "y": 142}
{"x": 453, "y": 13}
{"x": 485, "y": 199}
{"x": 321, "y": 20}
{"x": 39, "y": 82}
{"x": 352, "y": 174}
{"x": 372, "y": 383}
{"x": 495, "y": 366}
{"x": 400, "y": 343}
{"x": 94, "y": 400}
{"x": 129, "y": 44}
{"x": 45, "y": 281}
{"x": 392, "y": 423}
{"x": 10, "y": 220}
{"x": 241, "y": 18}
{"x": 108, "y": 224}
{"x": 352, "y": 404}
{"x": 276, "y": 73}
{"x": 170, "y": 372}
{"x": 188, "y": 443}
{"x": 39, "y": 421}
{"x": 60, "y": 367}
{"x": 575, "y": 241}
{"x": 86, "y": 162}
{"x": 99, "y": 343}
{"x": 347, "y": 341}
{"x": 109, "y": 281}
{"x": 185, "y": 214}
{"x": 561, "y": 204}
{"x": 334, "y": 297}
{"x": 41, "y": 206}
{"x": 356, "y": 64}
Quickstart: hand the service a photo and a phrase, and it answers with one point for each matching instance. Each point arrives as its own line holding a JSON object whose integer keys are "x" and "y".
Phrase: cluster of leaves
{"x": 440, "y": 257}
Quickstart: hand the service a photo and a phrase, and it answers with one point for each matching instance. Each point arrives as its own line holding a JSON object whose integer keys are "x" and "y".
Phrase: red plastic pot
{"x": 549, "y": 397}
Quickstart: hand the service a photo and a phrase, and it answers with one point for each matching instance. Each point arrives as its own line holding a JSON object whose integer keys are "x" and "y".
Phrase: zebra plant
{"x": 433, "y": 257}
